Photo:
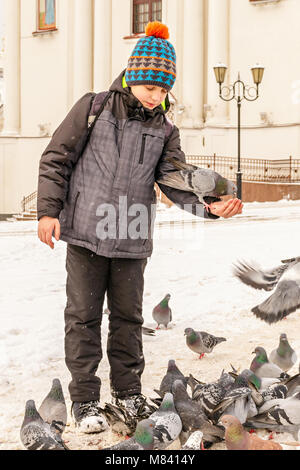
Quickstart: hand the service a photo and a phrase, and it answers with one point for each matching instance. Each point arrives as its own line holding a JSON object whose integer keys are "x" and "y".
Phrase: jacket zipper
{"x": 75, "y": 202}
{"x": 141, "y": 160}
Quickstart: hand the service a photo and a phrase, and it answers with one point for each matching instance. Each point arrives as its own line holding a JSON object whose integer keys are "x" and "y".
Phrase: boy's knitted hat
{"x": 153, "y": 60}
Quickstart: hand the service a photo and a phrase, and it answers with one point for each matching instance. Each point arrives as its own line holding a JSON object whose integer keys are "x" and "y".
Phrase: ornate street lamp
{"x": 238, "y": 91}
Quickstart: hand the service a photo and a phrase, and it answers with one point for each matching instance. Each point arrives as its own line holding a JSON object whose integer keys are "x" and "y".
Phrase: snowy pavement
{"x": 192, "y": 262}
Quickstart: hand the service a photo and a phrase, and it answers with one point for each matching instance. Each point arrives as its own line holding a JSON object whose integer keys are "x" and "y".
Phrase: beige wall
{"x": 89, "y": 51}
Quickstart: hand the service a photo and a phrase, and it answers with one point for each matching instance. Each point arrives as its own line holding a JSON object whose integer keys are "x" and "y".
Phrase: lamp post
{"x": 238, "y": 91}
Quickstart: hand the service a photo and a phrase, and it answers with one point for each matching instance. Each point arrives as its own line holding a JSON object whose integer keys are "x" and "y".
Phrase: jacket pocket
{"x": 141, "y": 159}
{"x": 73, "y": 209}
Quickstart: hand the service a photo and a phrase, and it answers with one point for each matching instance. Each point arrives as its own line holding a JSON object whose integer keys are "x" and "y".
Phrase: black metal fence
{"x": 29, "y": 202}
{"x": 253, "y": 169}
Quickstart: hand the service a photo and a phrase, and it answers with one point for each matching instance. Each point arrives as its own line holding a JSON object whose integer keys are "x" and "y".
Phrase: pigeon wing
{"x": 285, "y": 300}
{"x": 175, "y": 179}
{"x": 254, "y": 276}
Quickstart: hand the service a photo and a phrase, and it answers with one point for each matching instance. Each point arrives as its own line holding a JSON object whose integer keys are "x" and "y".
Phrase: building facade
{"x": 55, "y": 51}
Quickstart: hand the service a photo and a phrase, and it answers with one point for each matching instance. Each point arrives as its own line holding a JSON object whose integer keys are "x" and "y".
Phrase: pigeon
{"x": 194, "y": 442}
{"x": 168, "y": 423}
{"x": 162, "y": 313}
{"x": 278, "y": 414}
{"x": 262, "y": 367}
{"x": 143, "y": 438}
{"x": 240, "y": 401}
{"x": 208, "y": 396}
{"x": 284, "y": 356}
{"x": 36, "y": 434}
{"x": 172, "y": 374}
{"x": 286, "y": 297}
{"x": 260, "y": 383}
{"x": 237, "y": 438}
{"x": 53, "y": 409}
{"x": 193, "y": 417}
{"x": 201, "y": 342}
{"x": 145, "y": 330}
{"x": 201, "y": 181}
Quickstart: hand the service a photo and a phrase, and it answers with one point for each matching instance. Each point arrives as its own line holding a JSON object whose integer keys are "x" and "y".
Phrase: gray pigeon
{"x": 53, "y": 409}
{"x": 168, "y": 424}
{"x": 208, "y": 396}
{"x": 240, "y": 401}
{"x": 162, "y": 313}
{"x": 143, "y": 438}
{"x": 194, "y": 442}
{"x": 286, "y": 297}
{"x": 35, "y": 434}
{"x": 172, "y": 374}
{"x": 201, "y": 342}
{"x": 193, "y": 417}
{"x": 201, "y": 181}
{"x": 278, "y": 412}
{"x": 284, "y": 356}
{"x": 260, "y": 383}
{"x": 262, "y": 367}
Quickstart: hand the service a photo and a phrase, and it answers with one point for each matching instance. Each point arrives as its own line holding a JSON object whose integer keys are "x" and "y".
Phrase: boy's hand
{"x": 226, "y": 209}
{"x": 45, "y": 230}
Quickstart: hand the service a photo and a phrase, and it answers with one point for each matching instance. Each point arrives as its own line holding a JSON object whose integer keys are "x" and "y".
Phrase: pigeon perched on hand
{"x": 200, "y": 181}
{"x": 262, "y": 367}
{"x": 286, "y": 297}
{"x": 201, "y": 342}
{"x": 237, "y": 438}
{"x": 35, "y": 434}
{"x": 162, "y": 313}
{"x": 143, "y": 438}
{"x": 53, "y": 409}
{"x": 284, "y": 356}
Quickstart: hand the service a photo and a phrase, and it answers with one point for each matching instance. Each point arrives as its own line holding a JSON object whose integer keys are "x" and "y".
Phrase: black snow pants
{"x": 89, "y": 277}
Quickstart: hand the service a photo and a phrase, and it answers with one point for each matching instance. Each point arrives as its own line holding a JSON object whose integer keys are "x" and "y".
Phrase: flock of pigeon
{"x": 228, "y": 409}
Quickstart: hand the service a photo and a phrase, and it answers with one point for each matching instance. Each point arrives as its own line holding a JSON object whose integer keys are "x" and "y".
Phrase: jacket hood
{"x": 133, "y": 102}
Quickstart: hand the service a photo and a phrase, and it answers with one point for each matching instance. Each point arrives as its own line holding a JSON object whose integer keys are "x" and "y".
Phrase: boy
{"x": 110, "y": 174}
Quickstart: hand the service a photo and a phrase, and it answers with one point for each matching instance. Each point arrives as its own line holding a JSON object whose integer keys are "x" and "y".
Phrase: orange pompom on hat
{"x": 153, "y": 60}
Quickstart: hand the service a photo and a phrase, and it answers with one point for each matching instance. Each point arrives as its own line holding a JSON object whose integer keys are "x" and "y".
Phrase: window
{"x": 46, "y": 15}
{"x": 145, "y": 11}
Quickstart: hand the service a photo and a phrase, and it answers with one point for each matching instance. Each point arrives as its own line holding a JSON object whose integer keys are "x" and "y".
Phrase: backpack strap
{"x": 97, "y": 107}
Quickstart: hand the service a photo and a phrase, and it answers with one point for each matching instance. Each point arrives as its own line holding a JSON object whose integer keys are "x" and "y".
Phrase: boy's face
{"x": 149, "y": 95}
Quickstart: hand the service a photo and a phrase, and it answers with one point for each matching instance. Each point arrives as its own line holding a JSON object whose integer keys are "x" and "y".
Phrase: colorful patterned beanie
{"x": 153, "y": 60}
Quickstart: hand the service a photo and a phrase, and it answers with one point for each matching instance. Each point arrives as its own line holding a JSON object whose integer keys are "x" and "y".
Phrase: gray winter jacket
{"x": 102, "y": 191}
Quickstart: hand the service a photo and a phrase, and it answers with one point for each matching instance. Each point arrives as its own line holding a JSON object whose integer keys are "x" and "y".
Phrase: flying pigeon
{"x": 200, "y": 181}
{"x": 53, "y": 409}
{"x": 262, "y": 367}
{"x": 286, "y": 297}
{"x": 237, "y": 438}
{"x": 143, "y": 438}
{"x": 284, "y": 356}
{"x": 193, "y": 417}
{"x": 162, "y": 313}
{"x": 35, "y": 434}
{"x": 201, "y": 342}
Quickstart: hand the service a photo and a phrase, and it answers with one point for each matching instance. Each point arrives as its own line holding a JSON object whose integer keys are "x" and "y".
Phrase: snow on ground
{"x": 192, "y": 262}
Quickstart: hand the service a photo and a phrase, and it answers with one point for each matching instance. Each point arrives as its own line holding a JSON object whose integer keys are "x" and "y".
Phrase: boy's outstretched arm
{"x": 185, "y": 199}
